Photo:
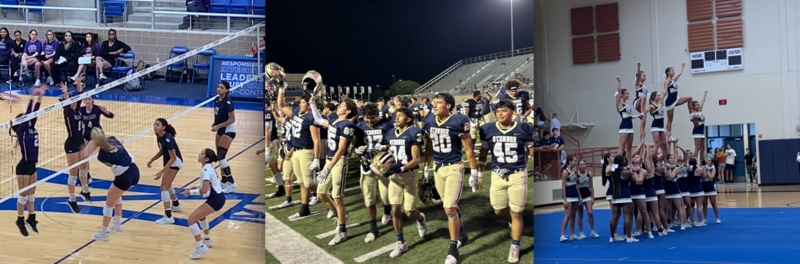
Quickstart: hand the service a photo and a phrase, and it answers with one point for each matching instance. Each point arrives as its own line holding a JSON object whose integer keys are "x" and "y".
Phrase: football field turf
{"x": 489, "y": 235}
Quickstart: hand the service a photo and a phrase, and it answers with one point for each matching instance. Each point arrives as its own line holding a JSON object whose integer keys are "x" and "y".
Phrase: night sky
{"x": 367, "y": 42}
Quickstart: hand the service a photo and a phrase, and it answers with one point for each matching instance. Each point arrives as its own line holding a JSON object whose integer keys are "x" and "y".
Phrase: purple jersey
{"x": 91, "y": 118}
{"x": 5, "y": 47}
{"x": 50, "y": 48}
{"x": 28, "y": 137}
{"x": 337, "y": 130}
{"x": 446, "y": 136}
{"x": 33, "y": 47}
{"x": 74, "y": 121}
{"x": 508, "y": 145}
{"x": 400, "y": 143}
{"x": 93, "y": 49}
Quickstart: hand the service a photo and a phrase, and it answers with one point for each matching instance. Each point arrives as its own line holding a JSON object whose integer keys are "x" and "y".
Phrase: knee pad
{"x": 165, "y": 196}
{"x": 32, "y": 198}
{"x": 223, "y": 163}
{"x": 83, "y": 172}
{"x": 171, "y": 191}
{"x": 195, "y": 229}
{"x": 22, "y": 200}
{"x": 72, "y": 180}
{"x": 221, "y": 152}
{"x": 107, "y": 211}
{"x": 204, "y": 224}
{"x": 119, "y": 201}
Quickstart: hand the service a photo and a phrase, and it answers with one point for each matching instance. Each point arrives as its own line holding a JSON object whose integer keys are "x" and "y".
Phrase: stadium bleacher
{"x": 479, "y": 71}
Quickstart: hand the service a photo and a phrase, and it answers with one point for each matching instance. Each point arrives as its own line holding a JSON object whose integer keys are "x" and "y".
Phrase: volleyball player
{"x": 91, "y": 118}
{"x": 305, "y": 140}
{"x": 173, "y": 162}
{"x": 28, "y": 140}
{"x": 368, "y": 138}
{"x": 521, "y": 99}
{"x": 626, "y": 125}
{"x": 447, "y": 138}
{"x": 699, "y": 127}
{"x": 126, "y": 175}
{"x": 405, "y": 141}
{"x": 508, "y": 192}
{"x": 672, "y": 100}
{"x": 211, "y": 189}
{"x": 224, "y": 119}
{"x": 74, "y": 144}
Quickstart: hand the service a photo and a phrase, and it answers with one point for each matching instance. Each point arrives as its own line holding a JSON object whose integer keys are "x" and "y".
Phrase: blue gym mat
{"x": 746, "y": 235}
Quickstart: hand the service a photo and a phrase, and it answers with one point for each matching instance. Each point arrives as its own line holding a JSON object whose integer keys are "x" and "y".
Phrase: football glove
{"x": 396, "y": 168}
{"x": 323, "y": 175}
{"x": 314, "y": 165}
{"x": 380, "y": 147}
{"x": 473, "y": 180}
{"x": 360, "y": 150}
{"x": 426, "y": 172}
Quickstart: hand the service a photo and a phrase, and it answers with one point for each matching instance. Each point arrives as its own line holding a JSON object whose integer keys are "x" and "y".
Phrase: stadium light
{"x": 512, "y": 26}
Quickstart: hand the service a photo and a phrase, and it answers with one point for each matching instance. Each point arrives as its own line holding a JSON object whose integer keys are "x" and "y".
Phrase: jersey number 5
{"x": 509, "y": 151}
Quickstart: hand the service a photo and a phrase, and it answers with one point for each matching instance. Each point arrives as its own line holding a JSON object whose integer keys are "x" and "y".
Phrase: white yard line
{"x": 309, "y": 215}
{"x": 333, "y": 232}
{"x": 375, "y": 253}
{"x": 289, "y": 247}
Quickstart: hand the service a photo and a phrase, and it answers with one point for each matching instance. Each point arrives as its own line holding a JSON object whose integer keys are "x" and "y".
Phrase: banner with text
{"x": 236, "y": 70}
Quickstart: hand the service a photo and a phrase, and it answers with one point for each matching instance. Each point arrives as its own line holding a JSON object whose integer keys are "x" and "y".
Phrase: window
{"x": 714, "y": 24}
{"x": 595, "y": 33}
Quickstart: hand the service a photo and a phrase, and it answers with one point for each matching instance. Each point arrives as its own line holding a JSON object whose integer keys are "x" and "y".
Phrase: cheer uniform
{"x": 626, "y": 125}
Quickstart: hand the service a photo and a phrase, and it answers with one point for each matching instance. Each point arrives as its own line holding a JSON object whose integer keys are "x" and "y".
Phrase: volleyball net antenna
{"x": 134, "y": 112}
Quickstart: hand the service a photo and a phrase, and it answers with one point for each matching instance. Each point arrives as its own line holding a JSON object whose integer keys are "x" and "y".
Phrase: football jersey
{"x": 461, "y": 109}
{"x": 400, "y": 144}
{"x": 301, "y": 130}
{"x": 119, "y": 160}
{"x": 336, "y": 131}
{"x": 475, "y": 108}
{"x": 167, "y": 143}
{"x": 286, "y": 135}
{"x": 269, "y": 122}
{"x": 508, "y": 145}
{"x": 222, "y": 109}
{"x": 445, "y": 136}
{"x": 382, "y": 112}
{"x": 372, "y": 136}
{"x": 519, "y": 101}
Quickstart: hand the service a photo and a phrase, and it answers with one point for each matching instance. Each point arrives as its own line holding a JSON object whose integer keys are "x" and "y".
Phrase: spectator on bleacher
{"x": 70, "y": 51}
{"x": 109, "y": 52}
{"x": 50, "y": 47}
{"x": 5, "y": 48}
{"x": 33, "y": 48}
{"x": 554, "y": 123}
{"x": 17, "y": 49}
{"x": 262, "y": 50}
{"x": 540, "y": 120}
{"x": 90, "y": 50}
{"x": 558, "y": 144}
{"x": 195, "y": 6}
{"x": 548, "y": 155}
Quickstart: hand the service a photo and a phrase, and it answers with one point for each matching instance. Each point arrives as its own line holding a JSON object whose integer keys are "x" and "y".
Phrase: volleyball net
{"x": 134, "y": 114}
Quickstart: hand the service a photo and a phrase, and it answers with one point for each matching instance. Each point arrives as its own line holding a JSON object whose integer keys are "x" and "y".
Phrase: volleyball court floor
{"x": 67, "y": 238}
{"x": 759, "y": 225}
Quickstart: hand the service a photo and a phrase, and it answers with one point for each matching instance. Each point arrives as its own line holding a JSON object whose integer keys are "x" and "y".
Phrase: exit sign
{"x": 723, "y": 101}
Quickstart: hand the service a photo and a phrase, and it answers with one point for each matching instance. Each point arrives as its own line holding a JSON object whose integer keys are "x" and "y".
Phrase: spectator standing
{"x": 750, "y": 167}
{"x": 195, "y": 6}
{"x": 730, "y": 160}
{"x": 558, "y": 145}
{"x": 554, "y": 123}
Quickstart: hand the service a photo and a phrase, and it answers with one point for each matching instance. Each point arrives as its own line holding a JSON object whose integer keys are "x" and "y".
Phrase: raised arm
{"x": 619, "y": 94}
{"x": 703, "y": 102}
{"x": 678, "y": 75}
{"x": 287, "y": 111}
{"x": 638, "y": 70}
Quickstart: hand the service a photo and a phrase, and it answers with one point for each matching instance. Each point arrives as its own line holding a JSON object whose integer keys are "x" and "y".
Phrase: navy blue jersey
{"x": 167, "y": 143}
{"x": 446, "y": 136}
{"x": 286, "y": 134}
{"x": 556, "y": 140}
{"x": 508, "y": 145}
{"x": 74, "y": 121}
{"x": 119, "y": 159}
{"x": 416, "y": 108}
{"x": 332, "y": 117}
{"x": 222, "y": 109}
{"x": 475, "y": 108}
{"x": 429, "y": 107}
{"x": 269, "y": 121}
{"x": 519, "y": 101}
{"x": 336, "y": 131}
{"x": 91, "y": 118}
{"x": 360, "y": 112}
{"x": 372, "y": 136}
{"x": 400, "y": 143}
{"x": 461, "y": 109}
{"x": 28, "y": 136}
{"x": 301, "y": 130}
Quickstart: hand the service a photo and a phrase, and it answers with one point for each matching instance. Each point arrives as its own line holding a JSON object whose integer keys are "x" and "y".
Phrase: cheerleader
{"x": 74, "y": 144}
{"x": 608, "y": 162}
{"x": 696, "y": 192}
{"x": 673, "y": 192}
{"x": 571, "y": 197}
{"x": 637, "y": 192}
{"x": 671, "y": 90}
{"x": 586, "y": 189}
{"x": 626, "y": 125}
{"x": 91, "y": 118}
{"x": 656, "y": 109}
{"x": 173, "y": 162}
{"x": 699, "y": 128}
{"x": 126, "y": 175}
{"x": 650, "y": 193}
{"x": 224, "y": 117}
{"x": 683, "y": 181}
{"x": 641, "y": 92}
{"x": 620, "y": 178}
{"x": 211, "y": 189}
{"x": 28, "y": 139}
{"x": 657, "y": 160}
{"x": 709, "y": 190}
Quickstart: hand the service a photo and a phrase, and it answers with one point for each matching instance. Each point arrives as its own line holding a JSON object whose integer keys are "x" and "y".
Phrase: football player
{"x": 368, "y": 138}
{"x": 474, "y": 109}
{"x": 508, "y": 141}
{"x": 519, "y": 98}
{"x": 273, "y": 146}
{"x": 405, "y": 142}
{"x": 447, "y": 134}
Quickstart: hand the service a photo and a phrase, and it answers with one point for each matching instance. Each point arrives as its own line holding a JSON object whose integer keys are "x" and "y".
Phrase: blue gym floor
{"x": 746, "y": 235}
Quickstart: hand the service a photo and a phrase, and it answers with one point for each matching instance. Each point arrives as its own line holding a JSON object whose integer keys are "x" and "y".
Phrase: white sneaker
{"x": 338, "y": 238}
{"x": 637, "y": 234}
{"x": 650, "y": 235}
{"x": 422, "y": 227}
{"x": 632, "y": 240}
{"x": 574, "y": 237}
{"x": 450, "y": 260}
{"x": 663, "y": 233}
{"x": 399, "y": 249}
{"x": 563, "y": 239}
{"x": 100, "y": 236}
{"x": 49, "y": 80}
{"x": 513, "y": 254}
{"x": 594, "y": 234}
{"x": 37, "y": 83}
{"x": 370, "y": 238}
{"x": 669, "y": 230}
{"x": 285, "y": 204}
{"x": 386, "y": 219}
{"x": 232, "y": 187}
{"x": 619, "y": 237}
{"x": 102, "y": 76}
{"x": 719, "y": 221}
{"x": 683, "y": 227}
{"x": 314, "y": 200}
{"x": 581, "y": 236}
{"x": 165, "y": 221}
{"x": 207, "y": 242}
{"x": 199, "y": 251}
{"x": 115, "y": 228}
{"x": 176, "y": 209}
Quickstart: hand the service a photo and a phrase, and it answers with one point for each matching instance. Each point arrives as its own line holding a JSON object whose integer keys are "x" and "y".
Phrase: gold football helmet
{"x": 312, "y": 81}
{"x": 275, "y": 75}
{"x": 381, "y": 163}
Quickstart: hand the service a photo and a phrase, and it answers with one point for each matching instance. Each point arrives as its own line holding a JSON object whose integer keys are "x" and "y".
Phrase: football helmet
{"x": 427, "y": 192}
{"x": 312, "y": 81}
{"x": 275, "y": 75}
{"x": 392, "y": 110}
{"x": 382, "y": 162}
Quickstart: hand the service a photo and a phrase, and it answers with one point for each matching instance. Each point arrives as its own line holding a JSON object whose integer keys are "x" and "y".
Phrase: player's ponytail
{"x": 167, "y": 127}
{"x": 99, "y": 138}
{"x": 605, "y": 163}
{"x": 227, "y": 87}
{"x": 211, "y": 157}
{"x": 616, "y": 175}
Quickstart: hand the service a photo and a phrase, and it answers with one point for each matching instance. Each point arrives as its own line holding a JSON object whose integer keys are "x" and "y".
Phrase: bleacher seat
{"x": 11, "y": 2}
{"x": 181, "y": 65}
{"x": 241, "y": 7}
{"x": 34, "y": 10}
{"x": 219, "y": 7}
{"x": 197, "y": 66}
{"x": 115, "y": 9}
{"x": 123, "y": 70}
{"x": 259, "y": 8}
